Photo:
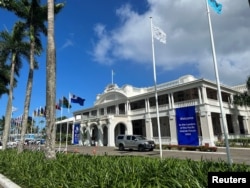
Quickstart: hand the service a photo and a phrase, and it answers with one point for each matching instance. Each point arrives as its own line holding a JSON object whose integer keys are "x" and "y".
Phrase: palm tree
{"x": 13, "y": 46}
{"x": 34, "y": 16}
{"x": 243, "y": 99}
{"x": 4, "y": 78}
{"x": 2, "y": 120}
{"x": 248, "y": 83}
{"x": 50, "y": 85}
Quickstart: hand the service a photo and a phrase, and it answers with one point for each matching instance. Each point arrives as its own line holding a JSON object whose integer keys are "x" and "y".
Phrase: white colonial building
{"x": 130, "y": 110}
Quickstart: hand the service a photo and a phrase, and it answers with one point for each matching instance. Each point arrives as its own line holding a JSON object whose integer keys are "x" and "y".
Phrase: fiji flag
{"x": 159, "y": 34}
{"x": 76, "y": 99}
{"x": 217, "y": 7}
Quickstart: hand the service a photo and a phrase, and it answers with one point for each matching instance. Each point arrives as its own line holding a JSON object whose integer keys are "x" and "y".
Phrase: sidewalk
{"x": 6, "y": 183}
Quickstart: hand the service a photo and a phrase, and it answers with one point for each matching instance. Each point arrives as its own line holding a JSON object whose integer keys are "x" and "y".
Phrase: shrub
{"x": 31, "y": 169}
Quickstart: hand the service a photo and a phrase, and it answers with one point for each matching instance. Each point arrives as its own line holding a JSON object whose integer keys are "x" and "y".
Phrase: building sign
{"x": 187, "y": 131}
{"x": 76, "y": 133}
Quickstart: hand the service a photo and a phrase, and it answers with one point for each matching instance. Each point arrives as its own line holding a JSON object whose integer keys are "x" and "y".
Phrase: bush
{"x": 189, "y": 148}
{"x": 31, "y": 169}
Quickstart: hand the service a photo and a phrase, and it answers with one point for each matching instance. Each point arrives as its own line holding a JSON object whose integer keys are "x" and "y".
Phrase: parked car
{"x": 11, "y": 144}
{"x": 40, "y": 141}
{"x": 131, "y": 142}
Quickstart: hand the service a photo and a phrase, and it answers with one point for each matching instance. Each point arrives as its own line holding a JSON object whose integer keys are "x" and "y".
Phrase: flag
{"x": 159, "y": 34}
{"x": 217, "y": 7}
{"x": 58, "y": 107}
{"x": 14, "y": 109}
{"x": 44, "y": 112}
{"x": 75, "y": 99}
{"x": 34, "y": 113}
{"x": 41, "y": 112}
{"x": 60, "y": 103}
{"x": 13, "y": 121}
{"x": 64, "y": 103}
{"x": 19, "y": 120}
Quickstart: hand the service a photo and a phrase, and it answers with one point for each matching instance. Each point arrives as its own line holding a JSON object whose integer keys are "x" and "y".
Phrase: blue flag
{"x": 217, "y": 7}
{"x": 76, "y": 99}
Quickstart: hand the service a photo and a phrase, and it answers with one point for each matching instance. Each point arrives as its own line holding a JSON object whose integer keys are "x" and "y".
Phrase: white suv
{"x": 131, "y": 142}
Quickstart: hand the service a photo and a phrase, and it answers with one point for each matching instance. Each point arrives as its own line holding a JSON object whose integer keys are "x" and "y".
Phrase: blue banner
{"x": 186, "y": 123}
{"x": 76, "y": 133}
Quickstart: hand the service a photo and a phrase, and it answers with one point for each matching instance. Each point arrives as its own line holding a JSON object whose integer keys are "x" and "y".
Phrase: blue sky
{"x": 94, "y": 37}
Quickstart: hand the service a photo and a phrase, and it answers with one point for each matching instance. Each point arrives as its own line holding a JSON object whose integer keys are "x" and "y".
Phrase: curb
{"x": 7, "y": 183}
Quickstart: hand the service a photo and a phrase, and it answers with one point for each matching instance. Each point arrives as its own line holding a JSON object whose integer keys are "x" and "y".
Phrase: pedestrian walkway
{"x": 7, "y": 183}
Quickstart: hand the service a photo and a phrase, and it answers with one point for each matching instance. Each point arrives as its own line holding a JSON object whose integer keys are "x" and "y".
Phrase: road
{"x": 237, "y": 155}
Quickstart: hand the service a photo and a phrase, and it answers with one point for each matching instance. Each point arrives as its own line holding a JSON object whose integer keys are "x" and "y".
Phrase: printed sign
{"x": 187, "y": 130}
{"x": 76, "y": 133}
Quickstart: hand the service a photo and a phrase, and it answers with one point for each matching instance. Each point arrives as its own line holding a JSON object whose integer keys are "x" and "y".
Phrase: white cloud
{"x": 188, "y": 41}
{"x": 67, "y": 43}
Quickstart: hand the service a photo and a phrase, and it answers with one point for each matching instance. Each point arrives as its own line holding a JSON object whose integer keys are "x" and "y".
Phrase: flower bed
{"x": 190, "y": 148}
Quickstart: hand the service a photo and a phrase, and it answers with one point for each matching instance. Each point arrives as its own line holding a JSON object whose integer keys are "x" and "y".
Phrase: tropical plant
{"x": 2, "y": 120}
{"x": 86, "y": 171}
{"x": 4, "y": 77}
{"x": 243, "y": 99}
{"x": 34, "y": 16}
{"x": 50, "y": 85}
{"x": 13, "y": 46}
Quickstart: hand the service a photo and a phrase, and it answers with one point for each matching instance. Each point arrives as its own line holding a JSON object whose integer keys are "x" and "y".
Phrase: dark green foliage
{"x": 243, "y": 99}
{"x": 31, "y": 169}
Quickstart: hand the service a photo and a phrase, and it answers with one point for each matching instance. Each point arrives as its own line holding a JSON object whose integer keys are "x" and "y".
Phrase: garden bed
{"x": 191, "y": 148}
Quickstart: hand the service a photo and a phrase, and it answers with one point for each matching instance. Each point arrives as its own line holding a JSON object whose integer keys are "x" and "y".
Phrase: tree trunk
{"x": 27, "y": 98}
{"x": 8, "y": 114}
{"x": 50, "y": 86}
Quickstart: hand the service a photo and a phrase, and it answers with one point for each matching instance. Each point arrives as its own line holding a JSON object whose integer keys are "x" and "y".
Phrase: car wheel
{"x": 141, "y": 148}
{"x": 121, "y": 147}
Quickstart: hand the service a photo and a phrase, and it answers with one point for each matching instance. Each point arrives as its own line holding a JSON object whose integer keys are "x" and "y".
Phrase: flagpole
{"x": 155, "y": 86}
{"x": 218, "y": 86}
{"x": 32, "y": 123}
{"x": 60, "y": 139}
{"x": 112, "y": 77}
{"x": 68, "y": 103}
{"x": 67, "y": 137}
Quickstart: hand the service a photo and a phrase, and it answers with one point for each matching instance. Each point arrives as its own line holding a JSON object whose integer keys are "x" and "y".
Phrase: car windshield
{"x": 140, "y": 138}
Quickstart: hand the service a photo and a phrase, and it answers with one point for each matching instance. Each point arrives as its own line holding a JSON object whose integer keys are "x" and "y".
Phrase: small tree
{"x": 243, "y": 99}
{"x": 13, "y": 46}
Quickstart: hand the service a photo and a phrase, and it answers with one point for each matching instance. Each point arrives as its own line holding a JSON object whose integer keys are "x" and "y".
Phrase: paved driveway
{"x": 237, "y": 155}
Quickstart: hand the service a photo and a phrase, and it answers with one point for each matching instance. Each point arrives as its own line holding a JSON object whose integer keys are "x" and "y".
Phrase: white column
{"x": 88, "y": 130}
{"x": 204, "y": 95}
{"x": 100, "y": 135}
{"x": 246, "y": 125}
{"x": 111, "y": 133}
{"x": 200, "y": 96}
{"x": 207, "y": 128}
{"x": 169, "y": 101}
{"x": 146, "y": 105}
{"x": 173, "y": 128}
{"x": 172, "y": 100}
{"x": 149, "y": 128}
{"x": 116, "y": 109}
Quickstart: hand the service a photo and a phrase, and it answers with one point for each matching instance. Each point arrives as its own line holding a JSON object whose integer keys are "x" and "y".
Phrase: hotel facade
{"x": 131, "y": 110}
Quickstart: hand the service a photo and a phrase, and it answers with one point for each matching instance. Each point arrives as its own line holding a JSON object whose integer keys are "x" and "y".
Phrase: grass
{"x": 30, "y": 169}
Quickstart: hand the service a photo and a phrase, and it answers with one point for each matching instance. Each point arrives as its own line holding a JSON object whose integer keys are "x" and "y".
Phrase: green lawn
{"x": 31, "y": 169}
